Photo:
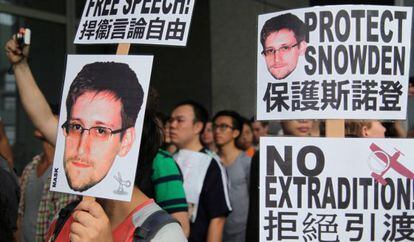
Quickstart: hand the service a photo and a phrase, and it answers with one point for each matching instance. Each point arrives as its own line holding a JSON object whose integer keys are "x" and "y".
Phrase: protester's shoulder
{"x": 163, "y": 154}
{"x": 32, "y": 164}
{"x": 214, "y": 157}
{"x": 170, "y": 233}
{"x": 215, "y": 177}
{"x": 143, "y": 211}
{"x": 8, "y": 178}
{"x": 8, "y": 182}
{"x": 164, "y": 164}
{"x": 163, "y": 158}
{"x": 245, "y": 159}
{"x": 214, "y": 167}
{"x": 210, "y": 153}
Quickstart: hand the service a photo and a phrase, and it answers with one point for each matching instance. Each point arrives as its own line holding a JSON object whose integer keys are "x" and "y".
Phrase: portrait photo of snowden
{"x": 283, "y": 41}
{"x": 102, "y": 111}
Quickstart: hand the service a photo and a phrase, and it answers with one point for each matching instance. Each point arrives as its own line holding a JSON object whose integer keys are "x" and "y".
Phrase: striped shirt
{"x": 168, "y": 183}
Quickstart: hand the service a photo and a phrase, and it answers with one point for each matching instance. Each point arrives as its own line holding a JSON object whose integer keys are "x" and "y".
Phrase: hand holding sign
{"x": 90, "y": 223}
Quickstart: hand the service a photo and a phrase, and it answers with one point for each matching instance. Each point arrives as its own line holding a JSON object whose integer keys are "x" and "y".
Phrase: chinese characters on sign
{"x": 324, "y": 227}
{"x": 311, "y": 191}
{"x": 148, "y": 22}
{"x": 367, "y": 95}
{"x": 347, "y": 62}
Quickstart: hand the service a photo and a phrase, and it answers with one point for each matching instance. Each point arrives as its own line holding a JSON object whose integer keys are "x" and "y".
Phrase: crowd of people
{"x": 202, "y": 170}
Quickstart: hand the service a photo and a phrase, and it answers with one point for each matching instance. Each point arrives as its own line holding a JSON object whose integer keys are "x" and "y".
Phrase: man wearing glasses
{"x": 283, "y": 41}
{"x": 102, "y": 104}
{"x": 205, "y": 183}
{"x": 227, "y": 126}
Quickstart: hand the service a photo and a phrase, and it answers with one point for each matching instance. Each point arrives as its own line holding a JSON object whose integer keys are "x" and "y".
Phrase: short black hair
{"x": 200, "y": 112}
{"x": 236, "y": 119}
{"x": 117, "y": 79}
{"x": 263, "y": 123}
{"x": 246, "y": 121}
{"x": 284, "y": 21}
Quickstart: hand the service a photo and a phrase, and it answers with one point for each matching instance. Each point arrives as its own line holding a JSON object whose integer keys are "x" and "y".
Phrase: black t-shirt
{"x": 9, "y": 202}
{"x": 213, "y": 202}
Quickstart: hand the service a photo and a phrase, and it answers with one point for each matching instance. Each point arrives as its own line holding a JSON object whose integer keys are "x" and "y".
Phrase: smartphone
{"x": 23, "y": 37}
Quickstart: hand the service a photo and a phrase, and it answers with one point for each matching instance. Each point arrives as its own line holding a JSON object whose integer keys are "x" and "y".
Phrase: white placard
{"x": 334, "y": 62}
{"x": 91, "y": 162}
{"x": 336, "y": 189}
{"x": 160, "y": 22}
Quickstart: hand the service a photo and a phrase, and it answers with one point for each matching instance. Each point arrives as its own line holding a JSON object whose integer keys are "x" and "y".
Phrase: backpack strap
{"x": 152, "y": 225}
{"x": 64, "y": 215}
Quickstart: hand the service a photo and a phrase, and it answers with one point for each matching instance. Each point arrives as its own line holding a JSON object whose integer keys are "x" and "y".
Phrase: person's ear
{"x": 302, "y": 47}
{"x": 365, "y": 131}
{"x": 127, "y": 141}
{"x": 236, "y": 133}
{"x": 198, "y": 127}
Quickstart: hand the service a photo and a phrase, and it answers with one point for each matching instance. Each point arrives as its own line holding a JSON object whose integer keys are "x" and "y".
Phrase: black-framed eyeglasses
{"x": 270, "y": 53}
{"x": 222, "y": 127}
{"x": 98, "y": 133}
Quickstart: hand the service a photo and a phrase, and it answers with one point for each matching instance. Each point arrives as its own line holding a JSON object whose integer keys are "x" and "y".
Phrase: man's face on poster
{"x": 94, "y": 137}
{"x": 281, "y": 52}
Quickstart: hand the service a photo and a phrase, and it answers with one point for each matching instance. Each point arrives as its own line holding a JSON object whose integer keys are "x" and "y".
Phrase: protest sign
{"x": 331, "y": 189}
{"x": 100, "y": 125}
{"x": 341, "y": 62}
{"x": 162, "y": 22}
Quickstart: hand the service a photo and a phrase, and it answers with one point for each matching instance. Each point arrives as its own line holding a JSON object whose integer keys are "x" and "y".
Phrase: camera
{"x": 23, "y": 37}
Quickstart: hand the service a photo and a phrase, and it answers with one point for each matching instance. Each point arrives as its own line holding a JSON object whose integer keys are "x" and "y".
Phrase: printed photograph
{"x": 103, "y": 106}
{"x": 283, "y": 41}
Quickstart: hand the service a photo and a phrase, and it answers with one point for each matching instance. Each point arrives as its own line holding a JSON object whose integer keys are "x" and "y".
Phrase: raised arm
{"x": 32, "y": 98}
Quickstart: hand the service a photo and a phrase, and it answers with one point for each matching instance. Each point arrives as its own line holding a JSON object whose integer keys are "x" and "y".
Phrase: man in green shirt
{"x": 169, "y": 191}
